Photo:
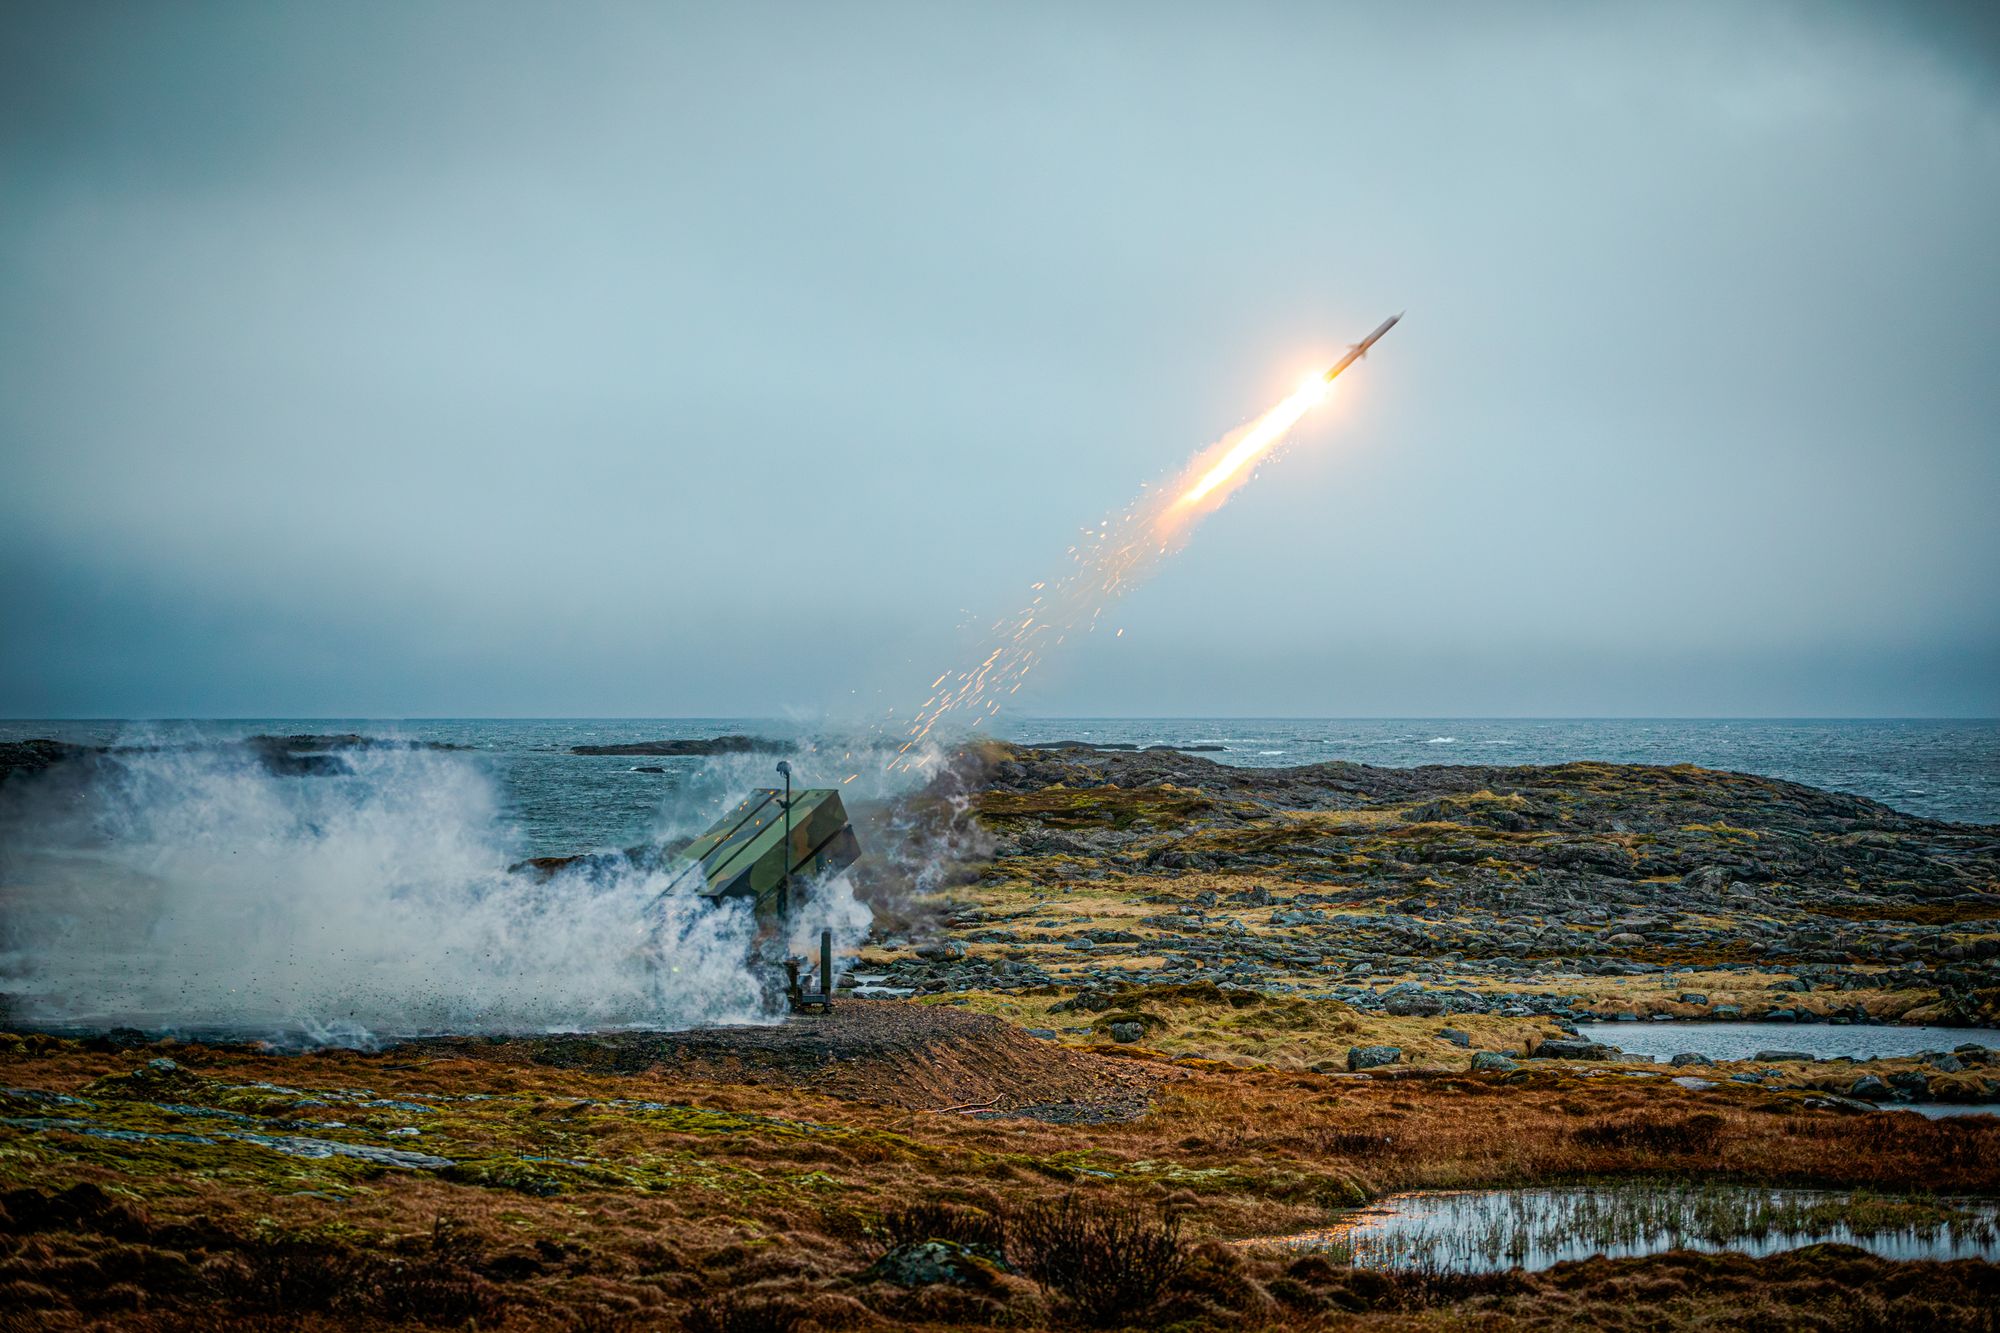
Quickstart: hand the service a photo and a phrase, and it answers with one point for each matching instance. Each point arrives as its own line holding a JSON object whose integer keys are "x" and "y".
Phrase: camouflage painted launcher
{"x": 743, "y": 854}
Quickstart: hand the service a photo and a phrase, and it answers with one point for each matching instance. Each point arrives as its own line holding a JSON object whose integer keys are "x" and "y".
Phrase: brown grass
{"x": 783, "y": 1219}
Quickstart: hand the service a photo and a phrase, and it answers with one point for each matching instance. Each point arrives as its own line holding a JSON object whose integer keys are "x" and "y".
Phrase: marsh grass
{"x": 974, "y": 1228}
{"x": 1111, "y": 1263}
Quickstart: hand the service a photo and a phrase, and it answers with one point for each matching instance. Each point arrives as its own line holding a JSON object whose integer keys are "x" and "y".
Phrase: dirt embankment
{"x": 921, "y": 1057}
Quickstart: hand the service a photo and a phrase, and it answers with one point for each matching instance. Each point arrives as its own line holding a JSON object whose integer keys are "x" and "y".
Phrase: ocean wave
{"x": 197, "y": 888}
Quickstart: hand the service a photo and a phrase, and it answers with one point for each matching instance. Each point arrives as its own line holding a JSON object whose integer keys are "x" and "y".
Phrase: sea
{"x": 556, "y": 802}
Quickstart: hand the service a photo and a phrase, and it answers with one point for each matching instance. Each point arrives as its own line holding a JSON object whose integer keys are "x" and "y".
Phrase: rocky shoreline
{"x": 1548, "y": 897}
{"x": 298, "y": 755}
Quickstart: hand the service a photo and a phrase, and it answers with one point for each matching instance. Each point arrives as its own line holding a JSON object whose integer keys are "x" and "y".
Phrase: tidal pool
{"x": 1492, "y": 1230}
{"x": 1826, "y": 1041}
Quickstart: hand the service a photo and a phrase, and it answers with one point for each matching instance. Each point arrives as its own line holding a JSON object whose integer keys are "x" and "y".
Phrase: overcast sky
{"x": 473, "y": 359}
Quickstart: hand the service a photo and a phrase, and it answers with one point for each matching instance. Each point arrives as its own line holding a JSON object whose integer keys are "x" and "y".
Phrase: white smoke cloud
{"x": 194, "y": 889}
{"x": 830, "y": 905}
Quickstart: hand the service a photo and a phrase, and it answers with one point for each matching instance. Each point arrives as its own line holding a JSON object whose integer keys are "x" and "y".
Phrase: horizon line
{"x": 1046, "y": 717}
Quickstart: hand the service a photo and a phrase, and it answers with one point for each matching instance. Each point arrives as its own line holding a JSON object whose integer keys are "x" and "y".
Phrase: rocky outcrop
{"x": 300, "y": 755}
{"x": 1480, "y": 890}
{"x": 20, "y": 759}
{"x": 697, "y": 746}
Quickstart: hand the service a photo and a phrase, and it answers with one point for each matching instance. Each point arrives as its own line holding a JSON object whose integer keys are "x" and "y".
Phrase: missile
{"x": 1360, "y": 349}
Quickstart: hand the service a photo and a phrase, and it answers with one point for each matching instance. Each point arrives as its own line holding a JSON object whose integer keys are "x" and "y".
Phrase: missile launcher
{"x": 745, "y": 853}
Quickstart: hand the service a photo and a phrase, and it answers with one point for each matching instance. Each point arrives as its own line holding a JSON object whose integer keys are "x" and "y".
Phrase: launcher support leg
{"x": 826, "y": 968}
{"x": 822, "y": 999}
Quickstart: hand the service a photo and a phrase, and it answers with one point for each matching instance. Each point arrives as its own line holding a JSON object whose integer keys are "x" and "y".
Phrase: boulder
{"x": 1828, "y": 1101}
{"x": 1574, "y": 1050}
{"x": 1870, "y": 1088}
{"x": 1492, "y": 1062}
{"x": 926, "y": 1263}
{"x": 1455, "y": 1037}
{"x": 1127, "y": 1032}
{"x": 1686, "y": 1058}
{"x": 1784, "y": 1057}
{"x": 1370, "y": 1057}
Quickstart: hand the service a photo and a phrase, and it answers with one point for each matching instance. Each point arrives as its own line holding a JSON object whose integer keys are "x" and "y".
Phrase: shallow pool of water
{"x": 1938, "y": 1110}
{"x": 1492, "y": 1230}
{"x": 1826, "y": 1041}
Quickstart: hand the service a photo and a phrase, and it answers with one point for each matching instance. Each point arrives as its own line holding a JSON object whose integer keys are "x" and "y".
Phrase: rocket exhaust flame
{"x": 1112, "y": 557}
{"x": 1260, "y": 439}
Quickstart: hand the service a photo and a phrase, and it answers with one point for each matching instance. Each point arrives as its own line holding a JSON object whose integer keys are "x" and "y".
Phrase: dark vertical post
{"x": 826, "y": 967}
{"x": 785, "y": 889}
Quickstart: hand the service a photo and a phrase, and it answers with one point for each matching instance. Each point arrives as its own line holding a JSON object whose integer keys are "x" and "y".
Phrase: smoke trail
{"x": 1109, "y": 560}
{"x": 195, "y": 889}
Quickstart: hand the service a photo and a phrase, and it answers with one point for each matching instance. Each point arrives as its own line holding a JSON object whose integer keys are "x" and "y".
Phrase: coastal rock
{"x": 1371, "y": 1057}
{"x": 22, "y": 758}
{"x": 1784, "y": 1057}
{"x": 700, "y": 746}
{"x": 1574, "y": 1050}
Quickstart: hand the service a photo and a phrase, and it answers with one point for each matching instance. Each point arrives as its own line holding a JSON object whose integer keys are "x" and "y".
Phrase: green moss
{"x": 1319, "y": 1189}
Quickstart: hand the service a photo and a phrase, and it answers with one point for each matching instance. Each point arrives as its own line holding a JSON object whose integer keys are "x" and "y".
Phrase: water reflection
{"x": 1825, "y": 1041}
{"x": 1491, "y": 1230}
